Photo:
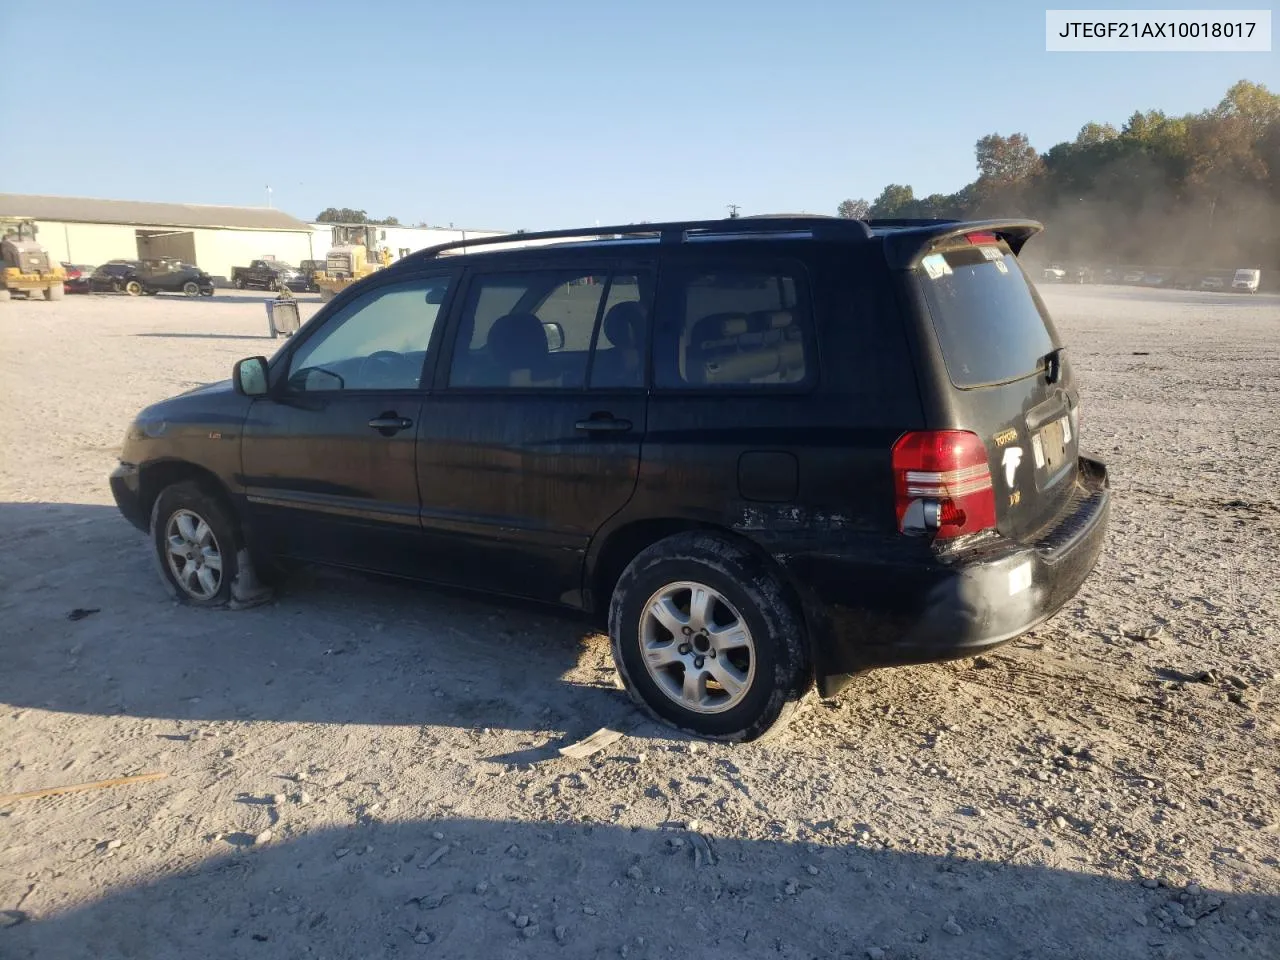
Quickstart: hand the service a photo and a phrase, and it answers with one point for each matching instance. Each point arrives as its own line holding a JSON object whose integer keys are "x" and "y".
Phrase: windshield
{"x": 989, "y": 321}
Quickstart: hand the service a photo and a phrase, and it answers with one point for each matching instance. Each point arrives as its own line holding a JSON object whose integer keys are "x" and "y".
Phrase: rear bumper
{"x": 126, "y": 488}
{"x": 867, "y": 615}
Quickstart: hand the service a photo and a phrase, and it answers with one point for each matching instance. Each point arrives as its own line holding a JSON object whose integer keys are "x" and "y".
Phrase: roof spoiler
{"x": 907, "y": 245}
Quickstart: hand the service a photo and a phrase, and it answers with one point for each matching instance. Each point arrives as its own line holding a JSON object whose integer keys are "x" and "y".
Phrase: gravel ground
{"x": 364, "y": 769}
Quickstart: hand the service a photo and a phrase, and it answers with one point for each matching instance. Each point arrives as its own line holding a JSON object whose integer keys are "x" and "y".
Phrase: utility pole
{"x": 733, "y": 211}
{"x": 268, "y": 196}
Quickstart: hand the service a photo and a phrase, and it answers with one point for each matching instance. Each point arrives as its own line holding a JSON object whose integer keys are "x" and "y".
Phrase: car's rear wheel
{"x": 706, "y": 638}
{"x": 196, "y": 544}
{"x": 133, "y": 288}
{"x": 54, "y": 291}
{"x": 191, "y": 288}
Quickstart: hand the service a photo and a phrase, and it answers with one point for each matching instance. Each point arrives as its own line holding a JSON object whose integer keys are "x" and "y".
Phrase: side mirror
{"x": 555, "y": 335}
{"x": 250, "y": 377}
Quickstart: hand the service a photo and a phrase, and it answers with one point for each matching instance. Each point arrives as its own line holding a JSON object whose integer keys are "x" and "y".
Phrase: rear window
{"x": 990, "y": 323}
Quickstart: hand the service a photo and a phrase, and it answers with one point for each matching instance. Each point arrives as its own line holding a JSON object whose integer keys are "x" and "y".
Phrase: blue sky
{"x": 508, "y": 114}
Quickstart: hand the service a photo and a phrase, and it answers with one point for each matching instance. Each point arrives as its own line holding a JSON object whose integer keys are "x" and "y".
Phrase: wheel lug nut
{"x": 687, "y": 631}
{"x": 698, "y": 662}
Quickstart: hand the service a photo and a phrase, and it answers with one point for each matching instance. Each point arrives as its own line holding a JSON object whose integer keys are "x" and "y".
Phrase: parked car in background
{"x": 267, "y": 275}
{"x": 169, "y": 276}
{"x": 1213, "y": 283}
{"x": 112, "y": 276}
{"x": 1246, "y": 280}
{"x": 674, "y": 469}
{"x": 77, "y": 280}
{"x": 1054, "y": 274}
{"x": 309, "y": 269}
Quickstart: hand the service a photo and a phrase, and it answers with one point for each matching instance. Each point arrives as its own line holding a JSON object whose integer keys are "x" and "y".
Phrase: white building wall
{"x": 217, "y": 251}
{"x": 396, "y": 239}
{"x": 87, "y": 243}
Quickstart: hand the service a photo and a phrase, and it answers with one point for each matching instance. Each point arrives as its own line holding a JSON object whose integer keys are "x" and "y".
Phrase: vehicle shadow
{"x": 497, "y": 889}
{"x": 332, "y": 647}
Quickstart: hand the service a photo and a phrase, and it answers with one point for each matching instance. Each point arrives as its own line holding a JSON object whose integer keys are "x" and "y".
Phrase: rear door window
{"x": 990, "y": 322}
{"x": 733, "y": 327}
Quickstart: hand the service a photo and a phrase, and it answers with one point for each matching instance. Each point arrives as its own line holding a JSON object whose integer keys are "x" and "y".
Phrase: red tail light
{"x": 977, "y": 239}
{"x": 942, "y": 483}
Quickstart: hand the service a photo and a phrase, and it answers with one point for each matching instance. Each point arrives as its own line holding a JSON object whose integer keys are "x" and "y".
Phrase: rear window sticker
{"x": 935, "y": 265}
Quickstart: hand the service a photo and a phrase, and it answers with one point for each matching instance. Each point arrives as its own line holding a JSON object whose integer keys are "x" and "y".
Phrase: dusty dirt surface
{"x": 363, "y": 769}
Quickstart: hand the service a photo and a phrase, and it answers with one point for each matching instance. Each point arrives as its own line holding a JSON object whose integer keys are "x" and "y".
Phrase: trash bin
{"x": 282, "y": 318}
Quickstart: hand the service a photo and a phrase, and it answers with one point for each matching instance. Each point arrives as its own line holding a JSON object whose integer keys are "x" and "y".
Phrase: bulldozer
{"x": 353, "y": 256}
{"x": 25, "y": 266}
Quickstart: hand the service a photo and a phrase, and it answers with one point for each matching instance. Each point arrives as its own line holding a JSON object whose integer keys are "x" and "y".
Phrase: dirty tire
{"x": 191, "y": 288}
{"x": 747, "y": 581}
{"x": 54, "y": 291}
{"x": 133, "y": 288}
{"x": 189, "y": 496}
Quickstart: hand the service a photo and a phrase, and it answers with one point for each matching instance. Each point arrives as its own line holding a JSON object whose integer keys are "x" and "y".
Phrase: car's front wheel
{"x": 191, "y": 288}
{"x": 196, "y": 543}
{"x": 133, "y": 288}
{"x": 706, "y": 637}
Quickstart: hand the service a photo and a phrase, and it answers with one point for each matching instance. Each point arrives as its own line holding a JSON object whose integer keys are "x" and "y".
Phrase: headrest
{"x": 764, "y": 320}
{"x": 518, "y": 341}
{"x": 718, "y": 326}
{"x": 623, "y": 323}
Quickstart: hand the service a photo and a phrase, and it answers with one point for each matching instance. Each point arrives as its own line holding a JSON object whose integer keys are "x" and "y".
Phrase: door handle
{"x": 389, "y": 424}
{"x": 603, "y": 425}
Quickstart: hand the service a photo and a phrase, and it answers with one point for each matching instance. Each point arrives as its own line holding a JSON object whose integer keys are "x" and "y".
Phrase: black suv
{"x": 769, "y": 452}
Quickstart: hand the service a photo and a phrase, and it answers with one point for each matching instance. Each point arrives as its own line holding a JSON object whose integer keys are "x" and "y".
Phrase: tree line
{"x": 348, "y": 215}
{"x": 1197, "y": 190}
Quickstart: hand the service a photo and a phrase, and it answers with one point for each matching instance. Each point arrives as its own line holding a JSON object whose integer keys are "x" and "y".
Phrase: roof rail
{"x": 677, "y": 231}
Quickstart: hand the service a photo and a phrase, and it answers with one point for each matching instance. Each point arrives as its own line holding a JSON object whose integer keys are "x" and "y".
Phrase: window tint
{"x": 735, "y": 327}
{"x": 989, "y": 324}
{"x": 379, "y": 342}
{"x": 529, "y": 329}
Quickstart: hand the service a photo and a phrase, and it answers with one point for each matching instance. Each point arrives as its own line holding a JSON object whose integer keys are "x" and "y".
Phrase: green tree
{"x": 1006, "y": 159}
{"x": 341, "y": 215}
{"x": 854, "y": 209}
{"x": 895, "y": 200}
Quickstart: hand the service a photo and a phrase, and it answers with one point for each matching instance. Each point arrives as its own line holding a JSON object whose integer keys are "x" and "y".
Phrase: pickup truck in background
{"x": 267, "y": 275}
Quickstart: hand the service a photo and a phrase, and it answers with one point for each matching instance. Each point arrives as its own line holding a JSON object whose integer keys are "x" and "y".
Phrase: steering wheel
{"x": 389, "y": 366}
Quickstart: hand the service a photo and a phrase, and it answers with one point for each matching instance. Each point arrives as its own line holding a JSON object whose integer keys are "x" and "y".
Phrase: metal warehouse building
{"x": 86, "y": 231}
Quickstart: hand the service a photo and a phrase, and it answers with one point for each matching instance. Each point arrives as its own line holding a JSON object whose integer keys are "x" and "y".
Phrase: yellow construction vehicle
{"x": 25, "y": 266}
{"x": 354, "y": 255}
